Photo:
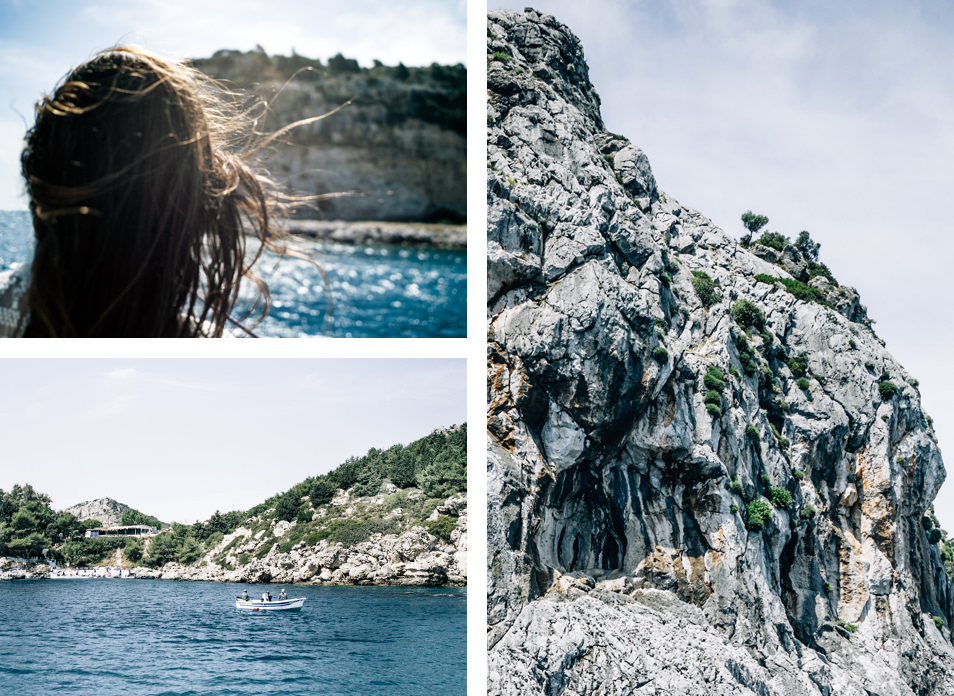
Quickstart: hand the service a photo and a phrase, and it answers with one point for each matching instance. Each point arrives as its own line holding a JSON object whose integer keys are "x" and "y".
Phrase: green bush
{"x": 934, "y": 535}
{"x": 704, "y": 288}
{"x": 445, "y": 477}
{"x": 798, "y": 474}
{"x": 939, "y": 622}
{"x": 714, "y": 379}
{"x": 441, "y": 527}
{"x": 746, "y": 314}
{"x": 713, "y": 397}
{"x": 754, "y": 436}
{"x": 734, "y": 371}
{"x": 133, "y": 551}
{"x": 766, "y": 481}
{"x": 852, "y": 344}
{"x": 828, "y": 588}
{"x": 803, "y": 384}
{"x": 665, "y": 279}
{"x": 714, "y": 410}
{"x": 321, "y": 491}
{"x": 758, "y": 513}
{"x": 797, "y": 288}
{"x": 736, "y": 486}
{"x": 807, "y": 512}
{"x": 85, "y": 551}
{"x": 781, "y": 498}
{"x": 926, "y": 522}
{"x": 733, "y": 508}
{"x": 851, "y": 628}
{"x": 784, "y": 443}
{"x": 887, "y": 390}
{"x": 748, "y": 363}
{"x": 798, "y": 364}
{"x": 660, "y": 354}
{"x": 501, "y": 57}
{"x": 775, "y": 240}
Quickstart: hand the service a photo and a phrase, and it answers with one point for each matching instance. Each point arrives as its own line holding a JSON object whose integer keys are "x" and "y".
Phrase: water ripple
{"x": 154, "y": 637}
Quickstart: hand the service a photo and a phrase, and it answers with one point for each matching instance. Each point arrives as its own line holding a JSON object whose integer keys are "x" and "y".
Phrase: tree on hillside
{"x": 807, "y": 247}
{"x": 446, "y": 475}
{"x": 753, "y": 223}
{"x": 134, "y": 517}
{"x": 29, "y": 546}
{"x": 287, "y": 507}
{"x": 322, "y": 491}
{"x": 162, "y": 550}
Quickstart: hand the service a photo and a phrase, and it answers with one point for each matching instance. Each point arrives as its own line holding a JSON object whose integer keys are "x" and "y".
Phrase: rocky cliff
{"x": 699, "y": 482}
{"x": 398, "y": 150}
{"x": 106, "y": 510}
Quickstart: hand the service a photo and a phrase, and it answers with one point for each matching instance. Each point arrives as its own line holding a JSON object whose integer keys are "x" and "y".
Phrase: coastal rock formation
{"x": 106, "y": 510}
{"x": 254, "y": 553}
{"x": 697, "y": 483}
{"x": 398, "y": 150}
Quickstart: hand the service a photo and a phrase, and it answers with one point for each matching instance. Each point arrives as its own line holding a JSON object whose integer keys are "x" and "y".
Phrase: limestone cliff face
{"x": 640, "y": 430}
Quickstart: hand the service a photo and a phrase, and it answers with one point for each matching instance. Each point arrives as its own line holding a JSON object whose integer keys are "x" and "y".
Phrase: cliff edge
{"x": 702, "y": 479}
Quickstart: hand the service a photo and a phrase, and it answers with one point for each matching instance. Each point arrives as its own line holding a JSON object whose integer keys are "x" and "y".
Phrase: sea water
{"x": 376, "y": 291}
{"x": 151, "y": 637}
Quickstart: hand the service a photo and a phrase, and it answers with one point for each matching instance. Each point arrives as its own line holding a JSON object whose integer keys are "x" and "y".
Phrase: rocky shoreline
{"x": 412, "y": 558}
{"x": 393, "y": 233}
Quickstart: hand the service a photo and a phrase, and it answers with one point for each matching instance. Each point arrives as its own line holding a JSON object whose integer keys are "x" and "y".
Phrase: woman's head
{"x": 139, "y": 203}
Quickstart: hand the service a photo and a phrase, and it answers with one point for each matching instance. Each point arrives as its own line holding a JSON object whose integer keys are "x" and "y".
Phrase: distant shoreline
{"x": 415, "y": 234}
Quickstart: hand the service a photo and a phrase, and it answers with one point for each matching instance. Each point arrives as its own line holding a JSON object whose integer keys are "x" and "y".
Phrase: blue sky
{"x": 831, "y": 117}
{"x": 181, "y": 438}
{"x": 41, "y": 41}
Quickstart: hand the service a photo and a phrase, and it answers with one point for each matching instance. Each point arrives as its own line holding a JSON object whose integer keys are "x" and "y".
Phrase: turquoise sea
{"x": 153, "y": 637}
{"x": 376, "y": 291}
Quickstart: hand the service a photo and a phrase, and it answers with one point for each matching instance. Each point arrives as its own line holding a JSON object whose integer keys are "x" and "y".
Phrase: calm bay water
{"x": 151, "y": 637}
{"x": 377, "y": 291}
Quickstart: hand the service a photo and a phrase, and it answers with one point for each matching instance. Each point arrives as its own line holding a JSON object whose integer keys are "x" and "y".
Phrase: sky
{"x": 831, "y": 117}
{"x": 181, "y": 438}
{"x": 40, "y": 42}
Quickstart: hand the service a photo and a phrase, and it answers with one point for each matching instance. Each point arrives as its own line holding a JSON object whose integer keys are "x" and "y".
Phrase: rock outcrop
{"x": 697, "y": 483}
{"x": 106, "y": 510}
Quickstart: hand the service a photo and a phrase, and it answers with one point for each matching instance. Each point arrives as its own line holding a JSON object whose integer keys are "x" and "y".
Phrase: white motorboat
{"x": 293, "y": 604}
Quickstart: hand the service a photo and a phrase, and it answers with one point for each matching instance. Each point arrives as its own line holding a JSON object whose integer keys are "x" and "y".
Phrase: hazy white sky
{"x": 181, "y": 438}
{"x": 831, "y": 117}
{"x": 41, "y": 41}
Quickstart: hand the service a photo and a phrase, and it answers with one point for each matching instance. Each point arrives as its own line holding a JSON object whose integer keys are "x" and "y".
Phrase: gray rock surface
{"x": 106, "y": 510}
{"x": 621, "y": 558}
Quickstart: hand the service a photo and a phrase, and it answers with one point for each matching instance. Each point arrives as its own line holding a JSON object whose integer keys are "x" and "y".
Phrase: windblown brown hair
{"x": 142, "y": 195}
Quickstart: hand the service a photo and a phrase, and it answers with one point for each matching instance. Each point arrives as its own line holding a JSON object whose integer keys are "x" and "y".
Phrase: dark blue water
{"x": 150, "y": 637}
{"x": 377, "y": 291}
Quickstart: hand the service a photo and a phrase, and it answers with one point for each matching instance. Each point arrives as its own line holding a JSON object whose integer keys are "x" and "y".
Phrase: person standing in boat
{"x": 282, "y": 595}
{"x": 245, "y": 595}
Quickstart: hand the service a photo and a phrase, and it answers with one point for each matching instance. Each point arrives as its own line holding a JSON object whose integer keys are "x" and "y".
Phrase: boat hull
{"x": 275, "y": 605}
